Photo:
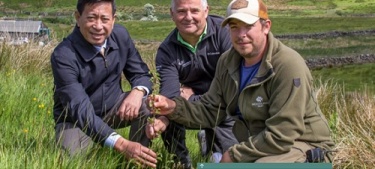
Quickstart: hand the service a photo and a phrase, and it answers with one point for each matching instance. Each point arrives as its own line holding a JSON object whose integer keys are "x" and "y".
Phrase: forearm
{"x": 193, "y": 114}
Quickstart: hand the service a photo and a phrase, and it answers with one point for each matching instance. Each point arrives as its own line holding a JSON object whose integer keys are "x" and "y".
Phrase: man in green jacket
{"x": 266, "y": 87}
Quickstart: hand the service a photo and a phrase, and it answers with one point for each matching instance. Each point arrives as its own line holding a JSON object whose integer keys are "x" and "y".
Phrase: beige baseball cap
{"x": 248, "y": 11}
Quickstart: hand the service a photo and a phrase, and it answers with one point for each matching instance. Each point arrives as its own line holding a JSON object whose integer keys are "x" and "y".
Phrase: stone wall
{"x": 340, "y": 61}
{"x": 326, "y": 34}
{"x": 335, "y": 61}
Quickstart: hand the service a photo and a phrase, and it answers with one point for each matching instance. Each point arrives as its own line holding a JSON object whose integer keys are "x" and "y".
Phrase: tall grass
{"x": 27, "y": 141}
{"x": 350, "y": 115}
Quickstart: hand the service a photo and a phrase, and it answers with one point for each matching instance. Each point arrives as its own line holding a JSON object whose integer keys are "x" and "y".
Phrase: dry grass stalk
{"x": 29, "y": 57}
{"x": 353, "y": 130}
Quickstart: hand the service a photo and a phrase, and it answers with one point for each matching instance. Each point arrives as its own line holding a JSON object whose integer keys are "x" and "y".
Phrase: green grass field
{"x": 346, "y": 93}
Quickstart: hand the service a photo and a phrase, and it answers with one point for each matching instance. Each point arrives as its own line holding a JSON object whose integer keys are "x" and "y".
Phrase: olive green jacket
{"x": 278, "y": 107}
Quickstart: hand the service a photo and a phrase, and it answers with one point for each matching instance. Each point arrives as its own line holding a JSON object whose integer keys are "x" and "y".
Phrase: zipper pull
{"x": 102, "y": 51}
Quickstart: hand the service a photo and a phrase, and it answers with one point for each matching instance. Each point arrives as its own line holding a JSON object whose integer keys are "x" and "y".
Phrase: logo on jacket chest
{"x": 213, "y": 53}
{"x": 183, "y": 63}
{"x": 259, "y": 102}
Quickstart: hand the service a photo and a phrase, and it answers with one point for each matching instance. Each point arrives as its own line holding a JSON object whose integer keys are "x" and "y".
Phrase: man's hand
{"x": 226, "y": 158}
{"x": 186, "y": 92}
{"x": 157, "y": 127}
{"x": 129, "y": 108}
{"x": 162, "y": 103}
{"x": 135, "y": 151}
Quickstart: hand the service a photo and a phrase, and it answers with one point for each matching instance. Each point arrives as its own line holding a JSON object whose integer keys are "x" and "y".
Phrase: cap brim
{"x": 248, "y": 19}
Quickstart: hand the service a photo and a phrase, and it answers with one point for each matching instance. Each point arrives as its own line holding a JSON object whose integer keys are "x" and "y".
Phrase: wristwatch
{"x": 139, "y": 88}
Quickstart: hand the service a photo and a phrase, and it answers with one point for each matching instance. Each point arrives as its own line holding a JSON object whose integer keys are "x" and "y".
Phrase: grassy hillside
{"x": 288, "y": 17}
{"x": 27, "y": 139}
{"x": 346, "y": 94}
{"x": 278, "y": 7}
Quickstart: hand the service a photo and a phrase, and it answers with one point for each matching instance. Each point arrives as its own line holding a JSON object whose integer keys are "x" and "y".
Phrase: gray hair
{"x": 203, "y": 2}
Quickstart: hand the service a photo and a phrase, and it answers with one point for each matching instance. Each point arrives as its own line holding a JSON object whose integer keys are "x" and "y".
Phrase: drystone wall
{"x": 320, "y": 62}
{"x": 340, "y": 61}
{"x": 331, "y": 34}
{"x": 335, "y": 61}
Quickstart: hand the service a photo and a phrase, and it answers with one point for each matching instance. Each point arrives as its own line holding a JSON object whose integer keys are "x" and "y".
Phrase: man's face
{"x": 96, "y": 22}
{"x": 248, "y": 40}
{"x": 189, "y": 17}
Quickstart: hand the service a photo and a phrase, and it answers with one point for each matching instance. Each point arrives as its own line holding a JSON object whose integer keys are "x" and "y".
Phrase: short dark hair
{"x": 82, "y": 3}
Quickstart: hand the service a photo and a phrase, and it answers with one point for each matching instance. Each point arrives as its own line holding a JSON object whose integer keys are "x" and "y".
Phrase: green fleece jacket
{"x": 278, "y": 107}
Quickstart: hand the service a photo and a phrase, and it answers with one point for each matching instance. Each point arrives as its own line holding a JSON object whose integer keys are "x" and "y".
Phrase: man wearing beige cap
{"x": 267, "y": 88}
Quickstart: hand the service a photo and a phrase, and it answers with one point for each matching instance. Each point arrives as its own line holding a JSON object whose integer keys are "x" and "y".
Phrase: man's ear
{"x": 267, "y": 26}
{"x": 171, "y": 13}
{"x": 114, "y": 20}
{"x": 207, "y": 10}
{"x": 77, "y": 16}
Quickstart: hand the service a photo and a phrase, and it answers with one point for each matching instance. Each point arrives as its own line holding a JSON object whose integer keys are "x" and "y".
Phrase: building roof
{"x": 20, "y": 26}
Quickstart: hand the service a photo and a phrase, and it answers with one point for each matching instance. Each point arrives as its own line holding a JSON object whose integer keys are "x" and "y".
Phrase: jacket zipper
{"x": 105, "y": 62}
{"x": 240, "y": 118}
{"x": 105, "y": 59}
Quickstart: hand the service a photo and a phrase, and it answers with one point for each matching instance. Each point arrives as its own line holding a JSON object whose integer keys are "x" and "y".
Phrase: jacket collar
{"x": 86, "y": 50}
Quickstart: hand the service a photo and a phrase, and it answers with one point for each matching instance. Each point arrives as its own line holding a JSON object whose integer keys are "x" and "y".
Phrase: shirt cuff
{"x": 111, "y": 140}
